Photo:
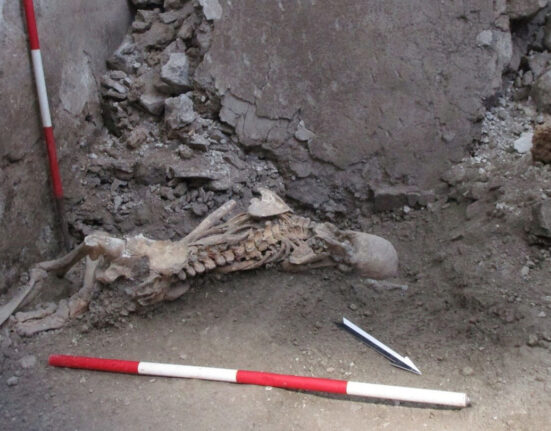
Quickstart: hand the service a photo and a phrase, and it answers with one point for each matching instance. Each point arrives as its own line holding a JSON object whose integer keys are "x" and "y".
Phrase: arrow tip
{"x": 410, "y": 363}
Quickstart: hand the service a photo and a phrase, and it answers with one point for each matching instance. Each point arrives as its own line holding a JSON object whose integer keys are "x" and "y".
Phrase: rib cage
{"x": 244, "y": 243}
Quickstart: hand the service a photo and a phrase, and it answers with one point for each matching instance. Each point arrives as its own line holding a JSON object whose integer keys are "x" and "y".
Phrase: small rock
{"x": 199, "y": 142}
{"x": 154, "y": 103}
{"x": 140, "y": 26}
{"x": 455, "y": 175}
{"x": 533, "y": 340}
{"x": 524, "y": 8}
{"x": 538, "y": 63}
{"x": 524, "y": 143}
{"x": 524, "y": 271}
{"x": 541, "y": 219}
{"x": 389, "y": 198}
{"x": 542, "y": 314}
{"x": 28, "y": 361}
{"x": 467, "y": 371}
{"x": 528, "y": 78}
{"x": 541, "y": 143}
{"x": 158, "y": 36}
{"x": 484, "y": 38}
{"x": 199, "y": 209}
{"x": 185, "y": 152}
{"x": 541, "y": 92}
{"x": 137, "y": 138}
{"x": 179, "y": 112}
{"x": 145, "y": 3}
{"x": 174, "y": 4}
{"x": 302, "y": 133}
{"x": 126, "y": 56}
{"x": 211, "y": 9}
{"x": 353, "y": 307}
{"x": 167, "y": 193}
{"x": 176, "y": 72}
{"x": 12, "y": 381}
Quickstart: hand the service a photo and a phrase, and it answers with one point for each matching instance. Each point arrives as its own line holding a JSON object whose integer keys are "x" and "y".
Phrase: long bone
{"x": 267, "y": 233}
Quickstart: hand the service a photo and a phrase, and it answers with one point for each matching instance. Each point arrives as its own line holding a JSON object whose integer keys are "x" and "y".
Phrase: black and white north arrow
{"x": 395, "y": 359}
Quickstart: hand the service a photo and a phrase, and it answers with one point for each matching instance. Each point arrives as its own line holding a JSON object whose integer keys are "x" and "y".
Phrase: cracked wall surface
{"x": 390, "y": 86}
{"x": 76, "y": 36}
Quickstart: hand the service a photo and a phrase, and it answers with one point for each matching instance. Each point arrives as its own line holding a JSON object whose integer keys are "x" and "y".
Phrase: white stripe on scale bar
{"x": 187, "y": 371}
{"x": 41, "y": 88}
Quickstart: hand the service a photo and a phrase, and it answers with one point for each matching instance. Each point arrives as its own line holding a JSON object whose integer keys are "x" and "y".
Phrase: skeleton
{"x": 268, "y": 233}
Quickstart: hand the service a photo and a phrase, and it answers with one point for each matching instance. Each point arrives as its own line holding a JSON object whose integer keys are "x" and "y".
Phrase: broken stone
{"x": 533, "y": 340}
{"x": 211, "y": 9}
{"x": 147, "y": 173}
{"x": 167, "y": 193}
{"x": 12, "y": 381}
{"x": 484, "y": 38}
{"x": 541, "y": 92}
{"x": 199, "y": 209}
{"x": 147, "y": 3}
{"x": 126, "y": 57}
{"x": 176, "y": 72}
{"x": 302, "y": 133}
{"x": 528, "y": 78}
{"x": 173, "y": 17}
{"x": 455, "y": 175}
{"x": 524, "y": 143}
{"x": 199, "y": 142}
{"x": 308, "y": 192}
{"x": 538, "y": 63}
{"x": 541, "y": 144}
{"x": 524, "y": 8}
{"x": 179, "y": 112}
{"x": 154, "y": 103}
{"x": 28, "y": 361}
{"x": 174, "y": 4}
{"x": 137, "y": 138}
{"x": 142, "y": 216}
{"x": 541, "y": 219}
{"x": 186, "y": 30}
{"x": 140, "y": 26}
{"x": 158, "y": 36}
{"x": 193, "y": 169}
{"x": 185, "y": 152}
{"x": 110, "y": 83}
{"x": 203, "y": 35}
{"x": 147, "y": 15}
{"x": 389, "y": 198}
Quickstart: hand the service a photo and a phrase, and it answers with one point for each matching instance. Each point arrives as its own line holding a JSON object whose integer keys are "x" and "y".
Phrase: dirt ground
{"x": 468, "y": 320}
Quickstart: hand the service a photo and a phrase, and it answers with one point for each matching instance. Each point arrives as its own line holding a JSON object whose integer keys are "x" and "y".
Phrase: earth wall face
{"x": 76, "y": 37}
{"x": 392, "y": 89}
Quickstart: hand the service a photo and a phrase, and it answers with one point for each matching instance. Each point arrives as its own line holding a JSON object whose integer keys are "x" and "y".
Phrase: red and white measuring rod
{"x": 43, "y": 97}
{"x": 398, "y": 393}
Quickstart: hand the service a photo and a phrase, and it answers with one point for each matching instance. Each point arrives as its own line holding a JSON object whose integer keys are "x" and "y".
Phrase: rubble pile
{"x": 165, "y": 159}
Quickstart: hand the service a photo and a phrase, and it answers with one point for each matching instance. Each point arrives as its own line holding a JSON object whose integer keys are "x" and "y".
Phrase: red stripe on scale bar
{"x": 31, "y": 24}
{"x": 291, "y": 382}
{"x": 52, "y": 158}
{"x": 97, "y": 364}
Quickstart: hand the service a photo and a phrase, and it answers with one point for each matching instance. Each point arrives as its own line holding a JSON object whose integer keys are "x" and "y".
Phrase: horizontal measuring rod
{"x": 397, "y": 393}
